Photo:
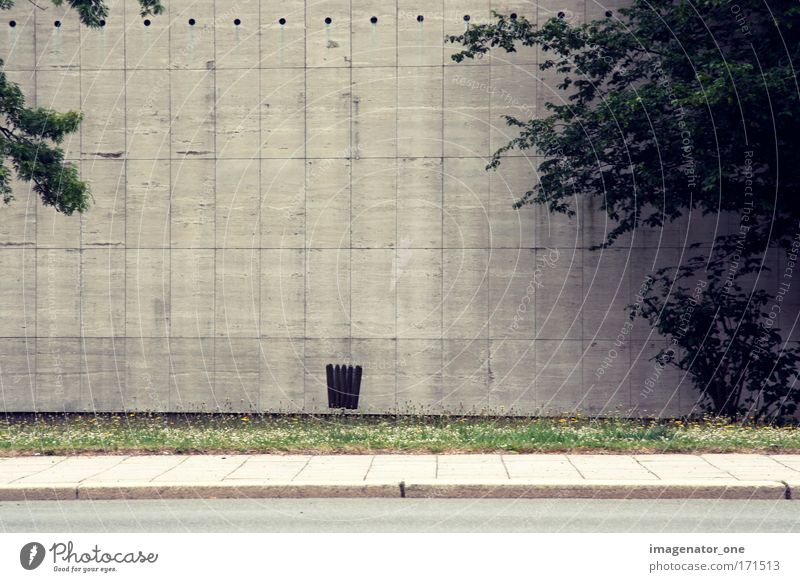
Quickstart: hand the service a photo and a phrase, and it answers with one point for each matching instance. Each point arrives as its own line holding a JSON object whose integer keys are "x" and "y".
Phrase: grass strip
{"x": 351, "y": 434}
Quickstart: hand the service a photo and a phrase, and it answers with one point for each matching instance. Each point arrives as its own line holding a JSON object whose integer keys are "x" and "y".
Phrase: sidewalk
{"x": 709, "y": 476}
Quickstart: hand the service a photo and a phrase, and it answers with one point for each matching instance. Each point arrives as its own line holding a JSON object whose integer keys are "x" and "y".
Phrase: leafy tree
{"x": 724, "y": 338}
{"x": 30, "y": 136}
{"x": 673, "y": 107}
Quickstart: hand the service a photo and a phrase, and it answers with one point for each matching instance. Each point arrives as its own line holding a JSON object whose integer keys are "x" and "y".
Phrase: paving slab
{"x": 538, "y": 475}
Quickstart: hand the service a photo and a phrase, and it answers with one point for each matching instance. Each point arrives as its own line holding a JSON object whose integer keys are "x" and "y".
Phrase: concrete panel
{"x": 328, "y": 113}
{"x": 655, "y": 390}
{"x": 283, "y": 293}
{"x": 374, "y": 43}
{"x": 419, "y": 42}
{"x": 374, "y": 112}
{"x": 458, "y": 15}
{"x": 103, "y": 293}
{"x": 147, "y": 114}
{"x": 602, "y": 9}
{"x": 572, "y": 11}
{"x": 104, "y": 47}
{"x": 192, "y": 293}
{"x": 58, "y": 41}
{"x": 103, "y": 133}
{"x": 283, "y": 204}
{"x": 419, "y": 376}
{"x": 607, "y": 394}
{"x": 328, "y": 299}
{"x": 559, "y": 298}
{"x": 237, "y": 293}
{"x": 419, "y": 293}
{"x": 236, "y": 374}
{"x": 18, "y": 292}
{"x": 512, "y": 376}
{"x": 58, "y": 374}
{"x": 192, "y": 107}
{"x": 466, "y": 293}
{"x": 61, "y": 90}
{"x": 191, "y": 387}
{"x": 328, "y": 204}
{"x": 283, "y": 44}
{"x": 58, "y": 312}
{"x": 328, "y": 41}
{"x": 373, "y": 285}
{"x": 17, "y": 375}
{"x": 512, "y": 94}
{"x": 147, "y": 294}
{"x": 55, "y": 230}
{"x": 378, "y": 359}
{"x": 596, "y": 225}
{"x": 237, "y": 203}
{"x": 18, "y": 227}
{"x": 103, "y": 374}
{"x": 283, "y": 114}
{"x": 467, "y": 92}
{"x": 466, "y": 203}
{"x": 282, "y": 375}
{"x": 193, "y": 204}
{"x": 18, "y": 43}
{"x": 147, "y": 204}
{"x": 374, "y": 200}
{"x": 559, "y": 376}
{"x": 557, "y": 229}
{"x": 238, "y": 113}
{"x": 788, "y": 272}
{"x": 237, "y": 45}
{"x": 104, "y": 223}
{"x": 419, "y": 111}
{"x": 465, "y": 376}
{"x": 191, "y": 46}
{"x": 523, "y": 55}
{"x": 644, "y": 264}
{"x": 419, "y": 203}
{"x": 147, "y": 47}
{"x": 147, "y": 374}
{"x": 606, "y": 294}
{"x": 511, "y": 227}
{"x": 513, "y": 279}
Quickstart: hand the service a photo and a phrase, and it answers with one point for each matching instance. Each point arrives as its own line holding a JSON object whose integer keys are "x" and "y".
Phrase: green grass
{"x": 148, "y": 433}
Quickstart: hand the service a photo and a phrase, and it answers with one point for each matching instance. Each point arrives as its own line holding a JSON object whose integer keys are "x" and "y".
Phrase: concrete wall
{"x": 269, "y": 198}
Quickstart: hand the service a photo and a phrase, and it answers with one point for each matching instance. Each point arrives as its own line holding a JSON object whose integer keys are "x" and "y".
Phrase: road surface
{"x": 401, "y": 515}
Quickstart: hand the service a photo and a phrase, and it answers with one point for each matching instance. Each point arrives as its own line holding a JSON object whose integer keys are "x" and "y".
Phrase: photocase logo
{"x": 31, "y": 555}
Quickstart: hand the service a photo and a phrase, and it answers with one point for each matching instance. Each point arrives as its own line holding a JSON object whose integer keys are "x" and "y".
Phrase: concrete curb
{"x": 218, "y": 490}
{"x": 459, "y": 489}
{"x": 588, "y": 489}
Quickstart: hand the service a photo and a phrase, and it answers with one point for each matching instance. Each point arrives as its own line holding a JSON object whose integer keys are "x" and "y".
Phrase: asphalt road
{"x": 400, "y": 515}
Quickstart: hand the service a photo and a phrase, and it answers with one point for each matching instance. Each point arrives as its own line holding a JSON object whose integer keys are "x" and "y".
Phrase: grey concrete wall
{"x": 269, "y": 198}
